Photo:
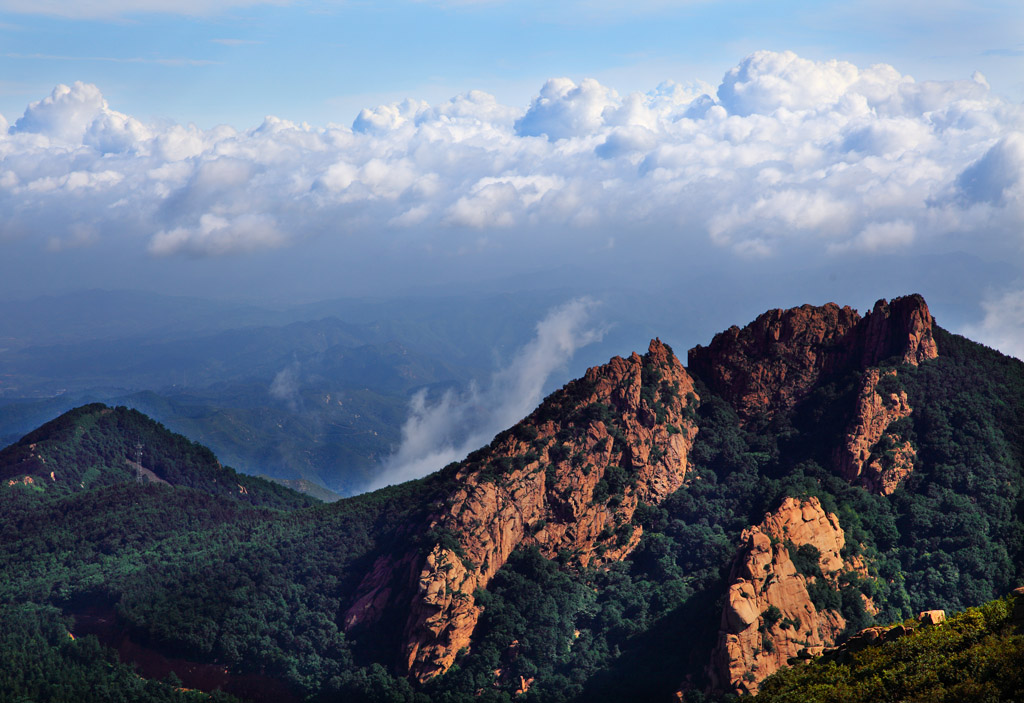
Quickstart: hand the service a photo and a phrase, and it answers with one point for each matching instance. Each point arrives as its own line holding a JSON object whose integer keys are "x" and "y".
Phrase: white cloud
{"x": 216, "y": 234}
{"x": 65, "y": 114}
{"x": 285, "y": 386}
{"x": 1003, "y": 325}
{"x": 996, "y": 176}
{"x": 564, "y": 109}
{"x": 879, "y": 236}
{"x": 787, "y": 154}
{"x": 767, "y": 81}
{"x": 447, "y": 429}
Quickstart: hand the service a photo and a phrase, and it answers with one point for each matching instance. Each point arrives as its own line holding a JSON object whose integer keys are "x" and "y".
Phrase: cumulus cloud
{"x": 787, "y": 154}
{"x": 65, "y": 114}
{"x": 1003, "y": 324}
{"x": 564, "y": 109}
{"x": 446, "y": 429}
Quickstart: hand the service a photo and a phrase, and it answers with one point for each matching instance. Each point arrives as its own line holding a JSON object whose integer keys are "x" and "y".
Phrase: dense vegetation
{"x": 203, "y": 577}
{"x": 42, "y": 661}
{"x": 258, "y": 583}
{"x": 949, "y": 538}
{"x": 94, "y": 446}
{"x": 974, "y": 656}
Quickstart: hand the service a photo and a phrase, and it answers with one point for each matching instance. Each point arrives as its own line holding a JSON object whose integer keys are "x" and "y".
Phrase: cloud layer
{"x": 440, "y": 431}
{"x": 1003, "y": 324}
{"x": 825, "y": 157}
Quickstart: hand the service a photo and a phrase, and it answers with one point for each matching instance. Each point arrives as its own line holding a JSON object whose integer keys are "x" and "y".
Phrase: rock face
{"x": 768, "y": 615}
{"x": 873, "y": 455}
{"x": 775, "y": 361}
{"x": 900, "y": 328}
{"x": 566, "y": 479}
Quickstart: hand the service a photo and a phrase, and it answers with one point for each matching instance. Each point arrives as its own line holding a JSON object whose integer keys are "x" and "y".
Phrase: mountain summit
{"x": 777, "y": 360}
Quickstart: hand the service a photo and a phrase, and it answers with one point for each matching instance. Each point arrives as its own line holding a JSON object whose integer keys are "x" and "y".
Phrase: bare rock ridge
{"x": 873, "y": 454}
{"x": 768, "y": 616}
{"x": 567, "y": 478}
{"x": 776, "y": 360}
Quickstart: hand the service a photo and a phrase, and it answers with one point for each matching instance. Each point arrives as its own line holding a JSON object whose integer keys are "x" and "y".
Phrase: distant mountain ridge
{"x": 96, "y": 445}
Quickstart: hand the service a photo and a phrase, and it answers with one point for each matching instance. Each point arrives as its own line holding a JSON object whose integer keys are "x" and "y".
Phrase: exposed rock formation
{"x": 768, "y": 615}
{"x": 931, "y": 617}
{"x": 776, "y": 360}
{"x": 859, "y": 459}
{"x": 900, "y": 328}
{"x": 566, "y": 479}
{"x": 868, "y": 637}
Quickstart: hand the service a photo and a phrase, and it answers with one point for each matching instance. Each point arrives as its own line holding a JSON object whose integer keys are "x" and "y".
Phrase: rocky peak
{"x": 775, "y": 361}
{"x": 772, "y": 362}
{"x": 567, "y": 479}
{"x": 768, "y": 616}
{"x": 903, "y": 328}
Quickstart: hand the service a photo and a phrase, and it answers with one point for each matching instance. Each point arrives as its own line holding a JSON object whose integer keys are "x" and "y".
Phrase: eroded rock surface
{"x": 768, "y": 615}
{"x": 775, "y": 361}
{"x": 872, "y": 454}
{"x": 566, "y": 479}
{"x": 903, "y": 327}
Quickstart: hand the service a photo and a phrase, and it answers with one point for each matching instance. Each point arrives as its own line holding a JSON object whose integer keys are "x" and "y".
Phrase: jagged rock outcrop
{"x": 903, "y": 327}
{"x": 768, "y": 615}
{"x": 567, "y": 480}
{"x": 776, "y": 360}
{"x": 872, "y": 455}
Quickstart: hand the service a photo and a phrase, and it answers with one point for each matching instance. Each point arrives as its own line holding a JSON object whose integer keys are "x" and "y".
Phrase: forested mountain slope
{"x": 973, "y": 656}
{"x": 95, "y": 445}
{"x": 649, "y": 531}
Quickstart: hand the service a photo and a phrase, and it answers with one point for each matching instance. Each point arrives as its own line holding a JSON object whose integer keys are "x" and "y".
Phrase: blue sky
{"x": 793, "y": 149}
{"x": 320, "y": 62}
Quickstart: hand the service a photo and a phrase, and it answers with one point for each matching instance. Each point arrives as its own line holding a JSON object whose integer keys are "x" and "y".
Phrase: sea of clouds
{"x": 785, "y": 152}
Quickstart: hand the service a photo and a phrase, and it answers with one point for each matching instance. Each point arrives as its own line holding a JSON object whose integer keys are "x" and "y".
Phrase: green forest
{"x": 974, "y": 656}
{"x": 256, "y": 580}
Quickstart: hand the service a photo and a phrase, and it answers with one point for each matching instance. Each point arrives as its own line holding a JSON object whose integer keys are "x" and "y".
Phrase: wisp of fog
{"x": 442, "y": 430}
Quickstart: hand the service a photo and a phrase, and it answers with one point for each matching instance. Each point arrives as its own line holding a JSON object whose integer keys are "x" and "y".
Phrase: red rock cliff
{"x": 768, "y": 615}
{"x": 775, "y": 361}
{"x": 872, "y": 454}
{"x": 900, "y": 328}
{"x": 568, "y": 477}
